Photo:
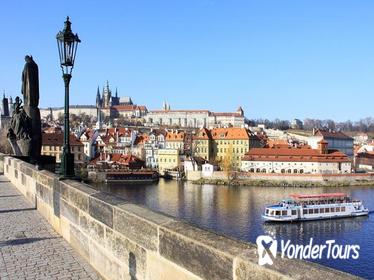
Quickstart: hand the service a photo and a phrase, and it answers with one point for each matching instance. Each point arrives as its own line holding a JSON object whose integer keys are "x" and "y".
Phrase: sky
{"x": 276, "y": 58}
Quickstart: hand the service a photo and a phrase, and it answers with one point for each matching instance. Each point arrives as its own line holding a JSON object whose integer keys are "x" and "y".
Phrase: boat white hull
{"x": 297, "y": 219}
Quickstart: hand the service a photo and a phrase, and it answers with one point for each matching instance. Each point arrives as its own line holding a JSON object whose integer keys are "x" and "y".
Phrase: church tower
{"x": 107, "y": 96}
{"x": 98, "y": 98}
{"x": 99, "y": 102}
{"x": 240, "y": 111}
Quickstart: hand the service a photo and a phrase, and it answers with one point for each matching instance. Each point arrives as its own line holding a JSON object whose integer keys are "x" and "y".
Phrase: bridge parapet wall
{"x": 122, "y": 240}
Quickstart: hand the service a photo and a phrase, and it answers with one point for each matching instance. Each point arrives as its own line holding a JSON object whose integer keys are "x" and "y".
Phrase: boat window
{"x": 316, "y": 211}
{"x": 267, "y": 211}
{"x": 327, "y": 210}
{"x": 277, "y": 213}
{"x": 293, "y": 212}
{"x": 337, "y": 209}
{"x": 332, "y": 209}
{"x": 322, "y": 210}
{"x": 310, "y": 211}
{"x": 343, "y": 209}
{"x": 284, "y": 213}
{"x": 305, "y": 211}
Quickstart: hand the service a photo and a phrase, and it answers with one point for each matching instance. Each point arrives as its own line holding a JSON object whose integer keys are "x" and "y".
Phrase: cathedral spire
{"x": 116, "y": 92}
{"x": 98, "y": 98}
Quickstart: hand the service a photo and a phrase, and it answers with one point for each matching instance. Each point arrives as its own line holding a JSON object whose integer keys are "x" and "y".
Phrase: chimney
{"x": 322, "y": 146}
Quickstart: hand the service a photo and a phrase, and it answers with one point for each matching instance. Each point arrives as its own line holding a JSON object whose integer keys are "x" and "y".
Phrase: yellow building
{"x": 202, "y": 143}
{"x": 225, "y": 146}
{"x": 230, "y": 145}
{"x": 175, "y": 140}
{"x": 168, "y": 159}
{"x": 52, "y": 145}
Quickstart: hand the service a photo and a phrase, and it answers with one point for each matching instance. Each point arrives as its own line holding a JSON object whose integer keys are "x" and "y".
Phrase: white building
{"x": 88, "y": 139}
{"x": 336, "y": 140}
{"x": 194, "y": 118}
{"x": 296, "y": 160}
{"x": 208, "y": 169}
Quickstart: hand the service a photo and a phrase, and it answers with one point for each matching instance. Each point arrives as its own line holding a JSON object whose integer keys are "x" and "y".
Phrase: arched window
{"x": 295, "y": 171}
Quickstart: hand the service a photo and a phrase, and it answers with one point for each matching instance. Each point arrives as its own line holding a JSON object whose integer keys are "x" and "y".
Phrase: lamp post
{"x": 67, "y": 43}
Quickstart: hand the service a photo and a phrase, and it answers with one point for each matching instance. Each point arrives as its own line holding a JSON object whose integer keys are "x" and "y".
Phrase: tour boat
{"x": 301, "y": 207}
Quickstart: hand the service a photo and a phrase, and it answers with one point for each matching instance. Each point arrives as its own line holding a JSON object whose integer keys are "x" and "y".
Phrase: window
{"x": 305, "y": 211}
{"x": 316, "y": 211}
{"x": 310, "y": 211}
{"x": 332, "y": 209}
{"x": 322, "y": 210}
{"x": 293, "y": 212}
{"x": 277, "y": 213}
{"x": 343, "y": 209}
{"x": 284, "y": 213}
{"x": 327, "y": 210}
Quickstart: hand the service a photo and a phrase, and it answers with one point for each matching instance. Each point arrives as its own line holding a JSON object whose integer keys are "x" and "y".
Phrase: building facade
{"x": 225, "y": 146}
{"x": 301, "y": 160}
{"x": 336, "y": 140}
{"x": 194, "y": 118}
{"x": 52, "y": 145}
{"x": 168, "y": 159}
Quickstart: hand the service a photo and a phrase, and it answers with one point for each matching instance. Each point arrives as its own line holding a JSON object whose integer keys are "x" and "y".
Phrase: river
{"x": 236, "y": 211}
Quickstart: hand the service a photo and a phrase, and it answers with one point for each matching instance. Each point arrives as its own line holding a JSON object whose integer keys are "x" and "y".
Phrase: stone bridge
{"x": 121, "y": 240}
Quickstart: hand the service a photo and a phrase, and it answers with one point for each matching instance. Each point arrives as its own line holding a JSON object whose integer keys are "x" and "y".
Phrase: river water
{"x": 236, "y": 211}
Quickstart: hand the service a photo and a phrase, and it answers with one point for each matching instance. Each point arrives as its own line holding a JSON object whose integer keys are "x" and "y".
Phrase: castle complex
{"x": 110, "y": 106}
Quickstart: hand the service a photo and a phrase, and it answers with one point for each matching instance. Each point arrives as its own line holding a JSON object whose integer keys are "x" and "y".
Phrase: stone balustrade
{"x": 122, "y": 240}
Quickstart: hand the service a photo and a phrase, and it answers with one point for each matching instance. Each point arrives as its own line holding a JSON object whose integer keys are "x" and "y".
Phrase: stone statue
{"x": 25, "y": 126}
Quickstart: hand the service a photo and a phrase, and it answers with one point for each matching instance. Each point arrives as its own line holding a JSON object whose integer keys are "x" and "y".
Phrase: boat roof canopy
{"x": 318, "y": 196}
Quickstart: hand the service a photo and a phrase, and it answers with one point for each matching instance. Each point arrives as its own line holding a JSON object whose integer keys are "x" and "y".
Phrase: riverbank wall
{"x": 241, "y": 178}
{"x": 122, "y": 240}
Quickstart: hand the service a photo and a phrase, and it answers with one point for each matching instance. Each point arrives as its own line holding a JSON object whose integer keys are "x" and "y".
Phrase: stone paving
{"x": 29, "y": 247}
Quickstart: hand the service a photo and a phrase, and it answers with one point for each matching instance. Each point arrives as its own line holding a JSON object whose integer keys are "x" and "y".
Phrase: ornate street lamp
{"x": 67, "y": 43}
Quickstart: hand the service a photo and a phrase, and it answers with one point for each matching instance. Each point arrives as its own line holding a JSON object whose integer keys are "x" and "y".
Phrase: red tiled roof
{"x": 231, "y": 133}
{"x": 175, "y": 136}
{"x": 226, "y": 114}
{"x": 202, "y": 134}
{"x": 302, "y": 154}
{"x": 117, "y": 158}
{"x": 180, "y": 111}
{"x": 57, "y": 139}
{"x": 331, "y": 134}
{"x": 129, "y": 107}
{"x": 141, "y": 139}
{"x": 124, "y": 107}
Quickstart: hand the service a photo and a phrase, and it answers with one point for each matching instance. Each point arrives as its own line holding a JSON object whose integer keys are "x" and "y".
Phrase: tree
{"x": 228, "y": 163}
